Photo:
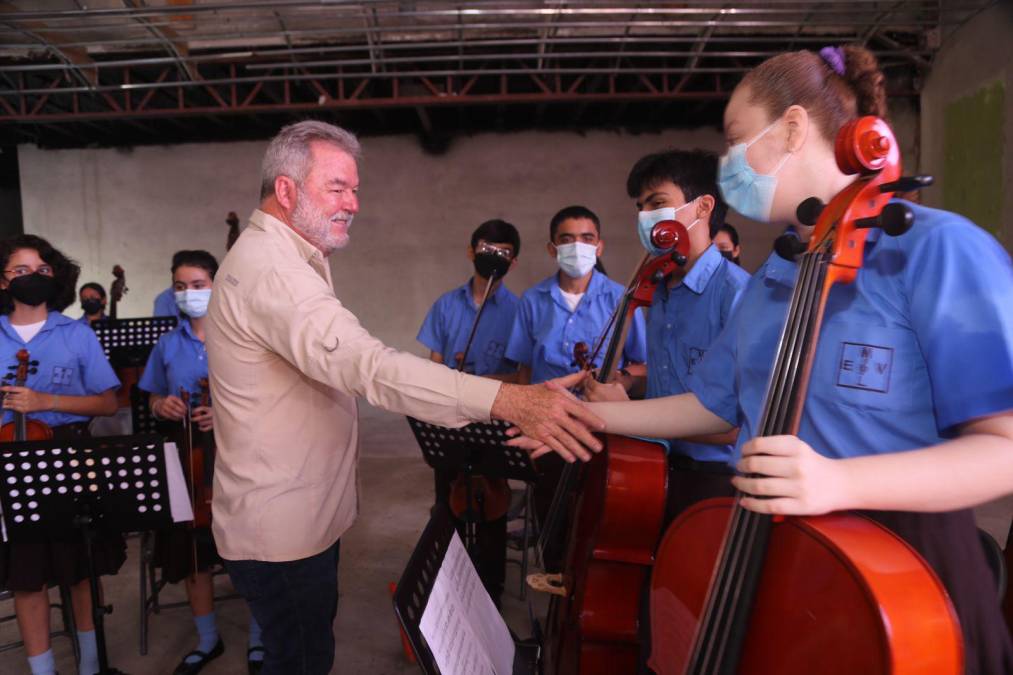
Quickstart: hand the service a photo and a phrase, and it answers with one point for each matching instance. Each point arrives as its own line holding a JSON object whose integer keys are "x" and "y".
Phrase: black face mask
{"x": 487, "y": 264}
{"x": 728, "y": 255}
{"x": 32, "y": 289}
{"x": 91, "y": 306}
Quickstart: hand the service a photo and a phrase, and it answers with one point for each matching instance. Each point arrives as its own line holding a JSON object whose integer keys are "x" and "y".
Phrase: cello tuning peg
{"x": 895, "y": 219}
{"x": 679, "y": 259}
{"x": 907, "y": 184}
{"x": 33, "y": 363}
{"x": 808, "y": 212}
{"x": 789, "y": 246}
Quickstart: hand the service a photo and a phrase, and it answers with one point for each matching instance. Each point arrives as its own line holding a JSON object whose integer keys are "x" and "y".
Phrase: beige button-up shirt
{"x": 286, "y": 362}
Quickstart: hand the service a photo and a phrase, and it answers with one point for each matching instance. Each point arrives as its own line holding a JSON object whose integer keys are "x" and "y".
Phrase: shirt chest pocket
{"x": 57, "y": 376}
{"x": 869, "y": 367}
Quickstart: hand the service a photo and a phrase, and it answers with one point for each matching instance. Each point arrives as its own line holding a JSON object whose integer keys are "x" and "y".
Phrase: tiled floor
{"x": 396, "y": 494}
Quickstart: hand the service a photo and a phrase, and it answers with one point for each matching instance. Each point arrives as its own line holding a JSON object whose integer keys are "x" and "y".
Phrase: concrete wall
{"x": 135, "y": 207}
{"x": 977, "y": 57}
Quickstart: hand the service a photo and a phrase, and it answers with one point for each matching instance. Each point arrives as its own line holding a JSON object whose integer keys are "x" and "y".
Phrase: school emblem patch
{"x": 865, "y": 367}
{"x": 62, "y": 376}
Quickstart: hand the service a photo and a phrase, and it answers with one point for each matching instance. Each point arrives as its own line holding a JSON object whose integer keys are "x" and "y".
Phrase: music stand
{"x": 128, "y": 342}
{"x": 84, "y": 485}
{"x": 478, "y": 449}
{"x": 413, "y": 590}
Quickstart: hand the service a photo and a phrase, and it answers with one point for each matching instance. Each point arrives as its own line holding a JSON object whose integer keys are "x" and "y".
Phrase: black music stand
{"x": 128, "y": 342}
{"x": 475, "y": 450}
{"x": 84, "y": 485}
{"x": 416, "y": 584}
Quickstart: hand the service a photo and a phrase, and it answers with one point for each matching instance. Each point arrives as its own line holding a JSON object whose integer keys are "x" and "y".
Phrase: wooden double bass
{"x": 616, "y": 504}
{"x": 734, "y": 591}
{"x": 128, "y": 375}
{"x": 21, "y": 428}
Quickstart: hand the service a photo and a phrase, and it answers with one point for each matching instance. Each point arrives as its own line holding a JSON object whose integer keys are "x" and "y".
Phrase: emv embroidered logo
{"x": 62, "y": 376}
{"x": 865, "y": 367}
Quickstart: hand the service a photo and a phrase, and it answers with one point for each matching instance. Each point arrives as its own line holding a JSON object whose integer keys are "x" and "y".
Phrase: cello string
{"x": 718, "y": 597}
{"x": 758, "y": 525}
{"x": 747, "y": 525}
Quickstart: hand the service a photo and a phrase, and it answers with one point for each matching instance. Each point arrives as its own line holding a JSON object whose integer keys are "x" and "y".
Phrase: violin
{"x": 476, "y": 498}
{"x": 595, "y": 606}
{"x": 734, "y": 591}
{"x": 21, "y": 428}
{"x": 232, "y": 220}
{"x": 198, "y": 451}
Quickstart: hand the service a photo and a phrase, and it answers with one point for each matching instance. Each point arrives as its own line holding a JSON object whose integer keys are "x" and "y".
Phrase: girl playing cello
{"x": 909, "y": 413}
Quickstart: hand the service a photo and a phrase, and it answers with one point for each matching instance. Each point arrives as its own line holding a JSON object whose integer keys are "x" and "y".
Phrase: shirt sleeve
{"x": 97, "y": 375}
{"x": 294, "y": 313}
{"x": 713, "y": 381}
{"x": 959, "y": 283}
{"x": 635, "y": 350}
{"x": 520, "y": 346}
{"x": 154, "y": 379}
{"x": 165, "y": 304}
{"x": 432, "y": 334}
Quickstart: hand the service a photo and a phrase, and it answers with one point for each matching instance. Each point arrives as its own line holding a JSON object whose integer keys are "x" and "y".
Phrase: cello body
{"x": 838, "y": 594}
{"x": 619, "y": 513}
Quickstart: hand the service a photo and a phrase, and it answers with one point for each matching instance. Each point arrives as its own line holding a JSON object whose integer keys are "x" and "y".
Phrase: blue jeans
{"x": 295, "y": 603}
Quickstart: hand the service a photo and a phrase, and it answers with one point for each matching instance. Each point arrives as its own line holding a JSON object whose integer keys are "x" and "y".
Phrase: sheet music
{"x": 460, "y": 623}
{"x": 179, "y": 497}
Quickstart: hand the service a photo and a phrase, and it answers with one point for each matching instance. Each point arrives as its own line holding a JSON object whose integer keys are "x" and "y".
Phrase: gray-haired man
{"x": 287, "y": 362}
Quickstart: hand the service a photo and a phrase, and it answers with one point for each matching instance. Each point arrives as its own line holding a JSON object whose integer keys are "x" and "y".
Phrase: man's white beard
{"x": 316, "y": 226}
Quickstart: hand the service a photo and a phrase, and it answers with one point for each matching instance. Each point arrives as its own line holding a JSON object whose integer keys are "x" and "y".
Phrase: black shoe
{"x": 254, "y": 666}
{"x": 195, "y": 667}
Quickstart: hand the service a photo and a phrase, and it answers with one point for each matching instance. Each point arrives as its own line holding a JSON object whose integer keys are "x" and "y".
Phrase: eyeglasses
{"x": 25, "y": 270}
{"x": 504, "y": 253}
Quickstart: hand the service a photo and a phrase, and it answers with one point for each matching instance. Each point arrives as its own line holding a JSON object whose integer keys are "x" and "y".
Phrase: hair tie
{"x": 834, "y": 57}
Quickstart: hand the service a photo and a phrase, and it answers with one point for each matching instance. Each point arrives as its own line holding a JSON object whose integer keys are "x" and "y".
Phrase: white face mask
{"x": 576, "y": 259}
{"x": 193, "y": 302}
{"x": 646, "y": 220}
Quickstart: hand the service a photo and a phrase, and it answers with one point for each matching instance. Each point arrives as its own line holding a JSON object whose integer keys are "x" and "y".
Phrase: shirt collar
{"x": 52, "y": 319}
{"x": 264, "y": 221}
{"x": 495, "y": 298}
{"x": 551, "y": 286}
{"x": 703, "y": 270}
{"x": 779, "y": 270}
{"x": 187, "y": 328}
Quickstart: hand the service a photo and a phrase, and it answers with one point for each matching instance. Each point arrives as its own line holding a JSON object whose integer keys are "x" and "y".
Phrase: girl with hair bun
{"x": 909, "y": 412}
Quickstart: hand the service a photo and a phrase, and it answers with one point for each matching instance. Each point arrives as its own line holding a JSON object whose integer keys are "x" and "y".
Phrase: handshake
{"x": 547, "y": 418}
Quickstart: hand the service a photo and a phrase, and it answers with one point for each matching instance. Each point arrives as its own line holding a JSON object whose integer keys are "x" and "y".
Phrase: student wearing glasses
{"x": 493, "y": 251}
{"x": 72, "y": 383}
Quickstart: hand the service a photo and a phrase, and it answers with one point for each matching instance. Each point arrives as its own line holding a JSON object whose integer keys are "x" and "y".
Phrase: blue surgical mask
{"x": 746, "y": 191}
{"x": 576, "y": 259}
{"x": 193, "y": 302}
{"x": 646, "y": 220}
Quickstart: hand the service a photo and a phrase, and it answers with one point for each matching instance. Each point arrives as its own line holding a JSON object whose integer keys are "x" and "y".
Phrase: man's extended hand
{"x": 547, "y": 414}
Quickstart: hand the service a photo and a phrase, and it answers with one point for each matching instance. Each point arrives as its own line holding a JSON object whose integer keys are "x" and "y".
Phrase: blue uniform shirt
{"x": 920, "y": 343}
{"x": 71, "y": 363}
{"x": 446, "y": 328}
{"x": 682, "y": 322}
{"x": 179, "y": 359}
{"x": 546, "y": 331}
{"x": 165, "y": 304}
